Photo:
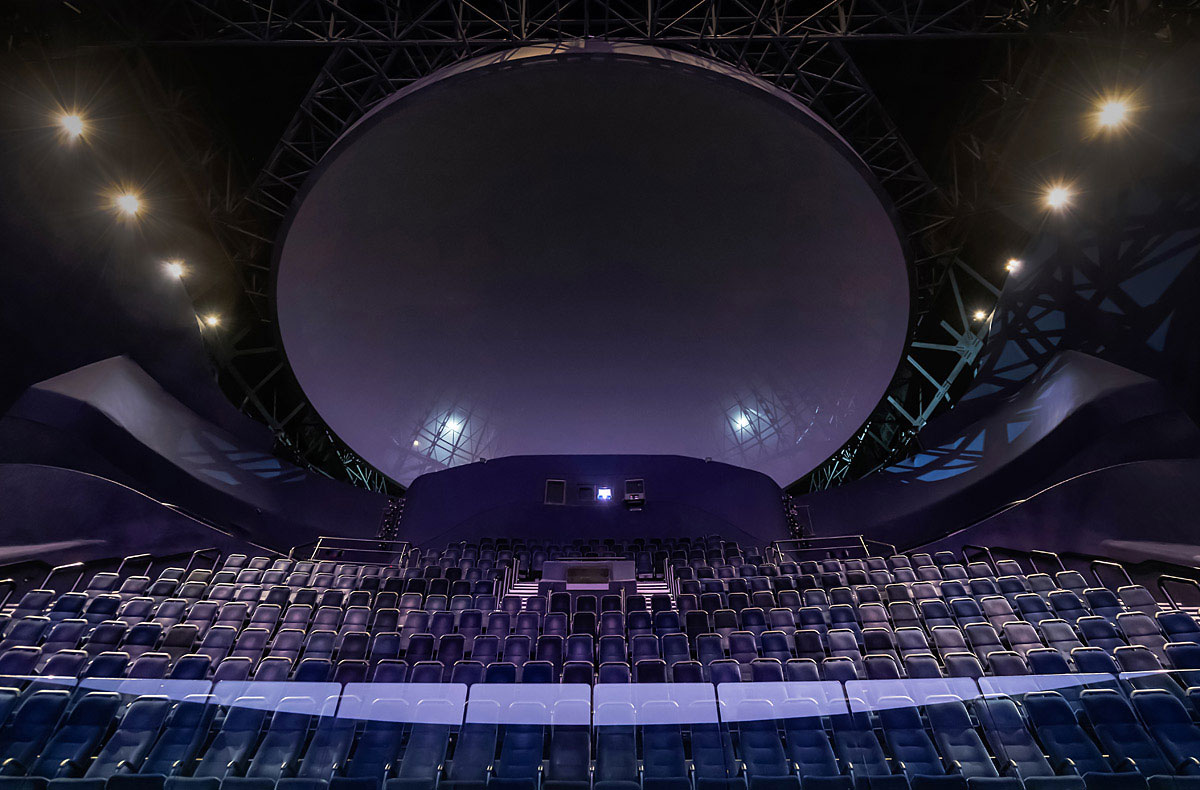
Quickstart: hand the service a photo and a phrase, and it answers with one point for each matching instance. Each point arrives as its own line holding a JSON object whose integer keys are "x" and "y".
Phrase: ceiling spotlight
{"x": 71, "y": 124}
{"x": 742, "y": 422}
{"x": 454, "y": 426}
{"x": 174, "y": 268}
{"x": 1112, "y": 113}
{"x": 128, "y": 204}
{"x": 1058, "y": 197}
{"x": 980, "y": 315}
{"x": 1012, "y": 265}
{"x": 416, "y": 442}
{"x": 212, "y": 319}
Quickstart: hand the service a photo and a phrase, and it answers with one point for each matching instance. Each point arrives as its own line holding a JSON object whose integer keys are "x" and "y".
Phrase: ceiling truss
{"x": 377, "y": 47}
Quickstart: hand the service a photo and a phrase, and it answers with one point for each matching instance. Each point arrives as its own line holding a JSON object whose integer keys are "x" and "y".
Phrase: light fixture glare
{"x": 72, "y": 124}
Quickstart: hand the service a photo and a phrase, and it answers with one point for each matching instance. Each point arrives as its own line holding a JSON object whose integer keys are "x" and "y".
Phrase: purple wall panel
{"x": 1143, "y": 510}
{"x": 59, "y": 516}
{"x": 1077, "y": 414}
{"x": 505, "y": 497}
{"x": 110, "y": 418}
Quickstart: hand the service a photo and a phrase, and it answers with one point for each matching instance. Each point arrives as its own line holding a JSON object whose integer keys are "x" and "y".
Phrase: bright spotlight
{"x": 174, "y": 268}
{"x": 71, "y": 124}
{"x": 212, "y": 319}
{"x": 128, "y": 204}
{"x": 1112, "y": 113}
{"x": 1013, "y": 265}
{"x": 1058, "y": 197}
{"x": 416, "y": 442}
{"x": 454, "y": 426}
{"x": 980, "y": 315}
{"x": 742, "y": 422}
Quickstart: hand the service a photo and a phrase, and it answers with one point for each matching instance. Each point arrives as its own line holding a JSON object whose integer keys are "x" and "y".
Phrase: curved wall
{"x": 506, "y": 497}
{"x": 110, "y": 418}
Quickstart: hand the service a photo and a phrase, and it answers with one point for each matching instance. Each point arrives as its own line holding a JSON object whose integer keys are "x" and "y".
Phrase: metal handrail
{"x": 200, "y": 554}
{"x": 11, "y": 586}
{"x": 1162, "y": 586}
{"x": 987, "y": 552}
{"x": 397, "y": 549}
{"x": 827, "y": 543}
{"x": 1035, "y": 553}
{"x": 72, "y": 566}
{"x": 1108, "y": 564}
{"x": 147, "y": 558}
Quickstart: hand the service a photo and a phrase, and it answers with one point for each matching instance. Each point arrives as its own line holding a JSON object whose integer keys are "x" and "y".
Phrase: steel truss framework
{"x": 379, "y": 47}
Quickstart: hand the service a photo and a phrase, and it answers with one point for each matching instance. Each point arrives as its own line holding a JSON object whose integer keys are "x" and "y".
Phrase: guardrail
{"x": 362, "y": 550}
{"x": 792, "y": 549}
{"x": 1167, "y": 578}
{"x": 585, "y": 704}
{"x": 1096, "y": 564}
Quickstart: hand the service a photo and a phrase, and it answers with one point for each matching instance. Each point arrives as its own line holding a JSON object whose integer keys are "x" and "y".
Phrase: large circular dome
{"x": 592, "y": 249}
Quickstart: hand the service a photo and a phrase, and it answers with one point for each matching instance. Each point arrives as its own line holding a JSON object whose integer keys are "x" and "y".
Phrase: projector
{"x": 635, "y": 494}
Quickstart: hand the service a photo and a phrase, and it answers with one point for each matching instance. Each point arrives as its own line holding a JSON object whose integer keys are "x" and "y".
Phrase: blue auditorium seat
{"x": 801, "y": 670}
{"x": 327, "y": 750}
{"x": 961, "y": 746}
{"x": 570, "y": 755}
{"x": 32, "y": 725}
{"x": 910, "y": 744}
{"x": 1068, "y": 606}
{"x": 714, "y": 766}
{"x": 427, "y": 672}
{"x": 963, "y": 665}
{"x": 579, "y": 672}
{"x": 1127, "y": 744}
{"x": 1178, "y": 626}
{"x": 1006, "y": 732}
{"x": 229, "y": 752}
{"x": 278, "y": 752}
{"x": 520, "y": 761}
{"x": 1141, "y": 630}
{"x": 500, "y": 672}
{"x": 1171, "y": 727}
{"x": 881, "y": 667}
{"x": 473, "y": 756}
{"x": 422, "y": 759}
{"x": 466, "y": 672}
{"x": 856, "y": 744}
{"x": 486, "y": 649}
{"x": 127, "y": 747}
{"x": 1103, "y": 603}
{"x": 663, "y": 761}
{"x": 20, "y": 660}
{"x": 537, "y": 672}
{"x": 763, "y": 756}
{"x": 616, "y": 758}
{"x": 66, "y": 752}
{"x": 375, "y": 751}
{"x": 1069, "y": 747}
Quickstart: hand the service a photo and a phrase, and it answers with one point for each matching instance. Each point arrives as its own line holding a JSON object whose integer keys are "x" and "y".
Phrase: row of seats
{"x": 218, "y": 639}
{"x": 769, "y": 738}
